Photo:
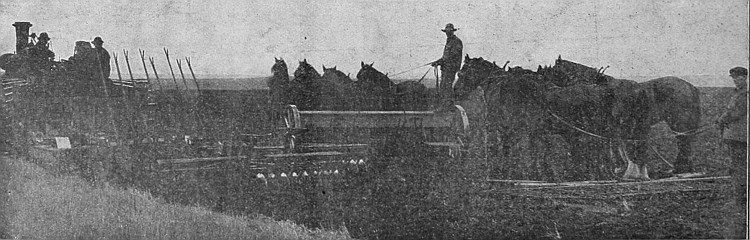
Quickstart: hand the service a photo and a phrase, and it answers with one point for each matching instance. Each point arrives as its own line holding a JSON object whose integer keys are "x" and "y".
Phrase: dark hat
{"x": 738, "y": 71}
{"x": 449, "y": 27}
{"x": 98, "y": 40}
{"x": 43, "y": 36}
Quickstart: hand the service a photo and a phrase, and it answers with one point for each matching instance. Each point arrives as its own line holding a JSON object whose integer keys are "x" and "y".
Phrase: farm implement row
{"x": 220, "y": 148}
{"x": 322, "y": 143}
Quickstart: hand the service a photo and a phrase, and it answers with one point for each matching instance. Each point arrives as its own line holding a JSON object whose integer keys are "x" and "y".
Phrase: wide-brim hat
{"x": 43, "y": 36}
{"x": 738, "y": 71}
{"x": 449, "y": 27}
{"x": 98, "y": 39}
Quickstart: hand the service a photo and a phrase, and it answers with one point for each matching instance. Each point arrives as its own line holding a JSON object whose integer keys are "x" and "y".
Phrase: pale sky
{"x": 634, "y": 38}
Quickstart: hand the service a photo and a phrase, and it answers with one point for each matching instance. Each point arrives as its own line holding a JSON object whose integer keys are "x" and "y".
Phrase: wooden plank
{"x": 425, "y": 113}
{"x": 568, "y": 184}
{"x": 662, "y": 192}
{"x": 513, "y": 181}
{"x": 619, "y": 183}
{"x": 334, "y": 145}
{"x": 53, "y": 149}
{"x": 375, "y": 119}
{"x": 443, "y": 144}
{"x": 268, "y": 148}
{"x": 197, "y": 160}
{"x": 311, "y": 154}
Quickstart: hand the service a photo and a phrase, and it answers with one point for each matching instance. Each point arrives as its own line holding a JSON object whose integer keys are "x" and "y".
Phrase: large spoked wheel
{"x": 292, "y": 122}
{"x": 459, "y": 132}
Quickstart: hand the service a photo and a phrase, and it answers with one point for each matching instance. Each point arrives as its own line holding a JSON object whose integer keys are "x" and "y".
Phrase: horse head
{"x": 368, "y": 75}
{"x": 279, "y": 69}
{"x": 305, "y": 72}
{"x": 331, "y": 74}
{"x": 576, "y": 73}
{"x": 475, "y": 72}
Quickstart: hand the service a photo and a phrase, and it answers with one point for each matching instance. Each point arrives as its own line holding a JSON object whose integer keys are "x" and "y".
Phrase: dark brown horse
{"x": 336, "y": 90}
{"x": 279, "y": 89}
{"x": 404, "y": 96}
{"x": 638, "y": 106}
{"x": 305, "y": 87}
{"x": 410, "y": 96}
{"x": 374, "y": 88}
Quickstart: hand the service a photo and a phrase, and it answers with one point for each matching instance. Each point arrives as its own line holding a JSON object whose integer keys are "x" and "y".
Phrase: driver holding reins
{"x": 449, "y": 64}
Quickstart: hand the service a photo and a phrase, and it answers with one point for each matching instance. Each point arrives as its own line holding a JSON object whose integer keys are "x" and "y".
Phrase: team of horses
{"x": 583, "y": 105}
{"x": 336, "y": 91}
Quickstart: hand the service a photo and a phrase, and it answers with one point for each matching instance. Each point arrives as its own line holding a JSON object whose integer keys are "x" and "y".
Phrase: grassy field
{"x": 43, "y": 206}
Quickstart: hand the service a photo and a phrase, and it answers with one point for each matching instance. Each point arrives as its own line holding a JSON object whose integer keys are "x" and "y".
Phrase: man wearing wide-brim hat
{"x": 42, "y": 47}
{"x": 449, "y": 64}
{"x": 41, "y": 55}
{"x": 102, "y": 57}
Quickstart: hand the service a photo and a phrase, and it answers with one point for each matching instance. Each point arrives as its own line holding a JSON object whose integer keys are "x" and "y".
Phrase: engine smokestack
{"x": 22, "y": 35}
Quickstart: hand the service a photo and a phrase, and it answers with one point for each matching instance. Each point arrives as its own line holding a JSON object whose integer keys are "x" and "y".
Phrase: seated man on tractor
{"x": 41, "y": 56}
{"x": 81, "y": 58}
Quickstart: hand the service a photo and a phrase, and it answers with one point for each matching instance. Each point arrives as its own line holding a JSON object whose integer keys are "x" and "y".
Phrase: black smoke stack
{"x": 22, "y": 35}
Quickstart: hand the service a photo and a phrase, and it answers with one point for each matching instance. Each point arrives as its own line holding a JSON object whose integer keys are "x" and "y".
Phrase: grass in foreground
{"x": 51, "y": 207}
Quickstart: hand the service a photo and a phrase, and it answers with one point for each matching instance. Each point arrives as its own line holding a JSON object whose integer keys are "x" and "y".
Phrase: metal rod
{"x": 190, "y": 66}
{"x": 143, "y": 60}
{"x": 180, "y": 101}
{"x": 179, "y": 67}
{"x": 127, "y": 101}
{"x": 127, "y": 61}
{"x": 195, "y": 105}
{"x": 119, "y": 76}
{"x": 199, "y": 103}
{"x": 156, "y": 75}
{"x": 174, "y": 79}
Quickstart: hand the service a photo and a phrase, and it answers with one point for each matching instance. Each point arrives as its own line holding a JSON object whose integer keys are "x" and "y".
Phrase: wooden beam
{"x": 311, "y": 154}
{"x": 196, "y": 160}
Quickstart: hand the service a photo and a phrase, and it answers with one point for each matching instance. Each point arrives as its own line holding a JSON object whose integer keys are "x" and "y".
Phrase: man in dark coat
{"x": 733, "y": 125}
{"x": 102, "y": 58}
{"x": 449, "y": 64}
{"x": 41, "y": 55}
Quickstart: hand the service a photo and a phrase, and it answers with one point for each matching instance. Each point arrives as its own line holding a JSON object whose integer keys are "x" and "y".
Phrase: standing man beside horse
{"x": 449, "y": 64}
{"x": 733, "y": 124}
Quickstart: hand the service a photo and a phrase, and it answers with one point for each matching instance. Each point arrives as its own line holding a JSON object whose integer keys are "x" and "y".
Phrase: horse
{"x": 279, "y": 94}
{"x": 336, "y": 90}
{"x": 641, "y": 105}
{"x": 305, "y": 87}
{"x": 374, "y": 88}
{"x": 524, "y": 102}
{"x": 410, "y": 96}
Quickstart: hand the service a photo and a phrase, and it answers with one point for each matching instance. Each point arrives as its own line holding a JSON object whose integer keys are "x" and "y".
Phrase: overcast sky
{"x": 635, "y": 38}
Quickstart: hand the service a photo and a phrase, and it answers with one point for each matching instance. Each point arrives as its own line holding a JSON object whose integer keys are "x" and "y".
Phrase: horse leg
{"x": 685, "y": 118}
{"x": 636, "y": 170}
{"x": 684, "y": 150}
{"x": 540, "y": 147}
{"x": 577, "y": 158}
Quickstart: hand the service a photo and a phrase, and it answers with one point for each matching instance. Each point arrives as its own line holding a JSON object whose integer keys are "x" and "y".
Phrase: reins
{"x": 673, "y": 134}
{"x": 411, "y": 69}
